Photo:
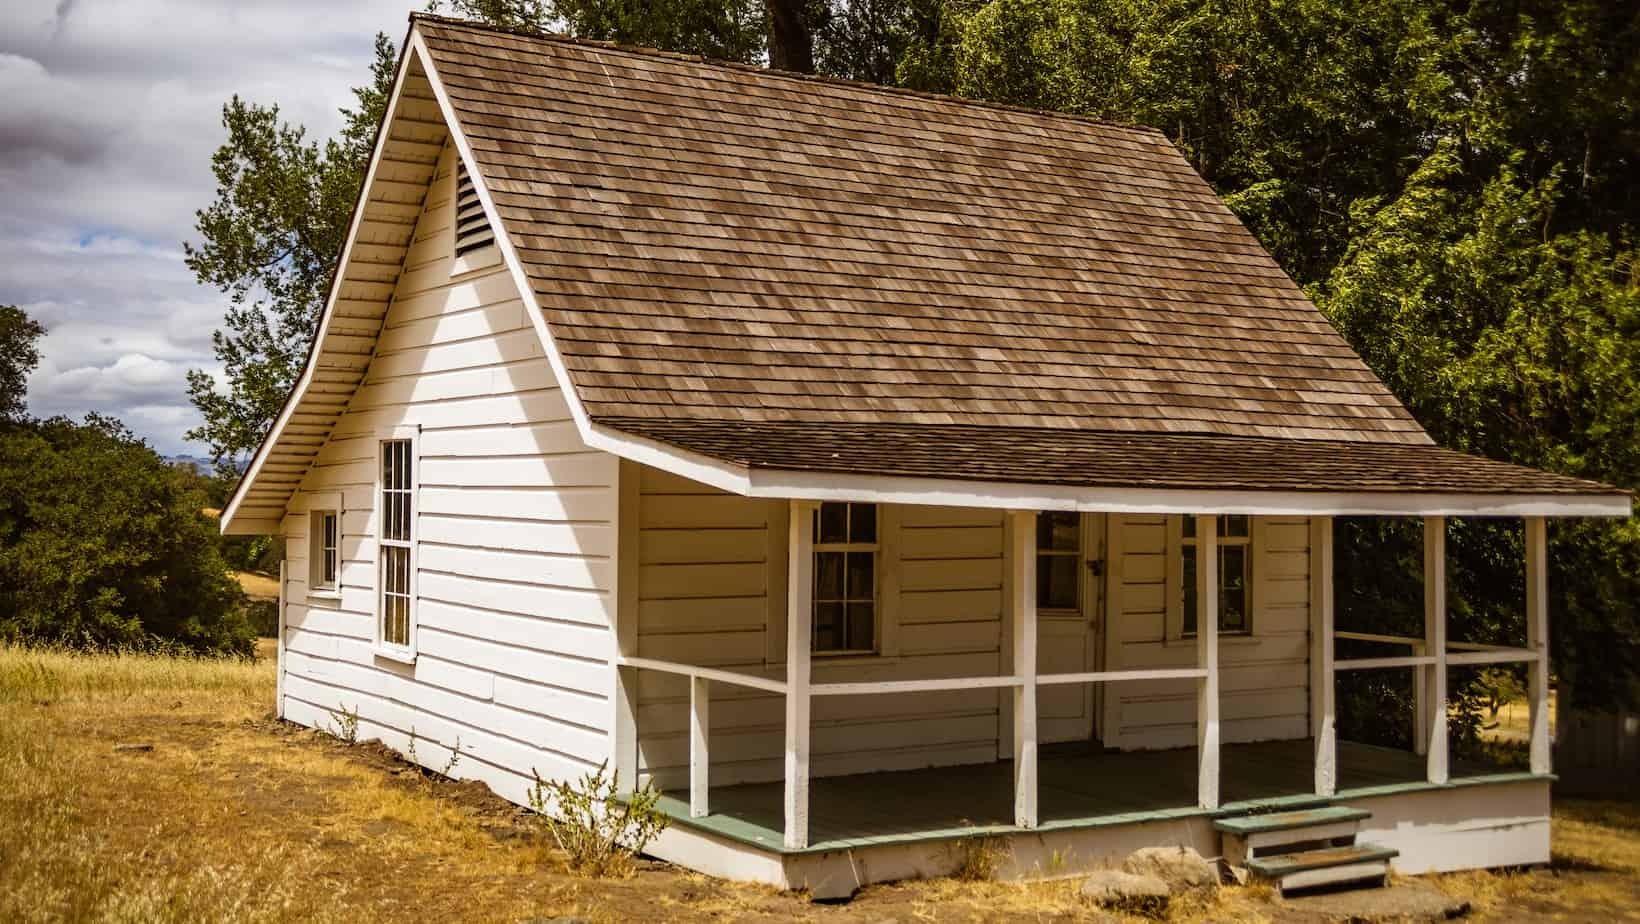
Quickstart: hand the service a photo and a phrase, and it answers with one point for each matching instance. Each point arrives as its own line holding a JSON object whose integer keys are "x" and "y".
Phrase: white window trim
{"x": 1176, "y": 543}
{"x": 876, "y": 550}
{"x": 329, "y": 502}
{"x": 383, "y": 649}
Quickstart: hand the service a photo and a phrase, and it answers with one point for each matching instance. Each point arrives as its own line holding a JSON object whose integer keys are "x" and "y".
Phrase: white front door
{"x": 1069, "y": 558}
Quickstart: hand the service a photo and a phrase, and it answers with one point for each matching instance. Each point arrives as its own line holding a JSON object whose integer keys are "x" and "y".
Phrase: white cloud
{"x": 109, "y": 113}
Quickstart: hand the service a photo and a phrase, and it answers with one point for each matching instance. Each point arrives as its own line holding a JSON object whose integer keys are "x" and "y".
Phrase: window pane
{"x": 862, "y": 523}
{"x": 1189, "y": 576}
{"x": 861, "y": 576}
{"x": 828, "y": 575}
{"x": 828, "y": 626}
{"x": 1056, "y": 582}
{"x": 833, "y": 523}
{"x": 1059, "y": 530}
{"x": 1235, "y": 527}
{"x": 1189, "y": 526}
{"x": 1233, "y": 588}
{"x": 862, "y": 634}
{"x": 398, "y": 574}
{"x": 328, "y": 574}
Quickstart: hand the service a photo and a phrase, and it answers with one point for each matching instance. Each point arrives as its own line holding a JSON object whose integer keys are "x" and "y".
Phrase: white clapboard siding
{"x": 705, "y": 579}
{"x": 515, "y": 563}
{"x": 1264, "y": 677}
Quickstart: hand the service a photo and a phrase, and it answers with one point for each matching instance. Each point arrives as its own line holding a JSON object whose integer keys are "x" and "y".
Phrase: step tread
{"x": 1283, "y": 864}
{"x": 1286, "y": 821}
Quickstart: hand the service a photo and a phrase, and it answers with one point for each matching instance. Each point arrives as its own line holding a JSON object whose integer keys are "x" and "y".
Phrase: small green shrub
{"x": 346, "y": 728}
{"x": 597, "y": 828}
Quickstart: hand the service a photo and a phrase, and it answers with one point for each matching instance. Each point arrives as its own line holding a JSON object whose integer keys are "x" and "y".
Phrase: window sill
{"x": 844, "y": 658}
{"x": 394, "y": 653}
{"x": 324, "y": 596}
{"x": 1225, "y": 638}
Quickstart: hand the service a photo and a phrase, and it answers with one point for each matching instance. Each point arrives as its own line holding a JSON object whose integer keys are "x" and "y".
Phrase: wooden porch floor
{"x": 1080, "y": 786}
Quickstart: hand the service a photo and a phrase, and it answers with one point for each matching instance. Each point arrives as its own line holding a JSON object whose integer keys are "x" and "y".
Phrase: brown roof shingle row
{"x": 714, "y": 243}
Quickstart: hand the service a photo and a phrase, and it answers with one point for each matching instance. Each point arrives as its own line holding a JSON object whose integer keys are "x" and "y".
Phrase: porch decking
{"x": 1080, "y": 786}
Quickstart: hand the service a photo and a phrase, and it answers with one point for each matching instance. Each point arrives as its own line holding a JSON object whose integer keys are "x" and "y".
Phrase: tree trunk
{"x": 791, "y": 48}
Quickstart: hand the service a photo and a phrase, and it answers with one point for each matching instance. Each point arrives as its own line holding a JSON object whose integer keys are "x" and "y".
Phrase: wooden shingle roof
{"x": 712, "y": 242}
{"x": 1095, "y": 459}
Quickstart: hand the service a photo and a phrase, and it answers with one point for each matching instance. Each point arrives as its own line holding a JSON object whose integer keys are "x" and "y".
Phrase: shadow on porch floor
{"x": 1080, "y": 786}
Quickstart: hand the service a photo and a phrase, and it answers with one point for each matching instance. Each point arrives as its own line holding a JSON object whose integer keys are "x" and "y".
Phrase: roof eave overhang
{"x": 754, "y": 481}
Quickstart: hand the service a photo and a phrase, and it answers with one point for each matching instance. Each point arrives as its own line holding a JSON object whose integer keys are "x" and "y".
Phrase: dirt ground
{"x": 234, "y": 816}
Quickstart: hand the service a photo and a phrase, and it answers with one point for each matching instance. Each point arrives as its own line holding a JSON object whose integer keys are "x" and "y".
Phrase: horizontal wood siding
{"x": 711, "y": 579}
{"x": 1264, "y": 678}
{"x": 516, "y": 529}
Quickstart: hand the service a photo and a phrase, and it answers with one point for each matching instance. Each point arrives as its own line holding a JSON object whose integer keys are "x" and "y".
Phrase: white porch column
{"x": 700, "y": 705}
{"x": 279, "y": 650}
{"x": 624, "y": 698}
{"x": 1207, "y": 658}
{"x": 799, "y": 631}
{"x": 1537, "y": 639}
{"x": 1323, "y": 687}
{"x": 1022, "y": 623}
{"x": 1434, "y": 704}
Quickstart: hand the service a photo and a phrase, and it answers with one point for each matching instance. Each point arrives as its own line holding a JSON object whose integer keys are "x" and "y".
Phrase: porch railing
{"x": 1430, "y": 659}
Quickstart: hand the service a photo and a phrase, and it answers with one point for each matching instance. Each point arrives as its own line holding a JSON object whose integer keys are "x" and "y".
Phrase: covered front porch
{"x": 1028, "y": 786}
{"x": 1080, "y": 787}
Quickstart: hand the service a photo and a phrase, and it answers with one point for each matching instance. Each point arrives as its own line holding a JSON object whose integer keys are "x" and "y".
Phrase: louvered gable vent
{"x": 473, "y": 230}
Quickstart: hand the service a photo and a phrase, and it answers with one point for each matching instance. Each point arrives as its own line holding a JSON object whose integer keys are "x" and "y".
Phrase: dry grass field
{"x": 232, "y": 816}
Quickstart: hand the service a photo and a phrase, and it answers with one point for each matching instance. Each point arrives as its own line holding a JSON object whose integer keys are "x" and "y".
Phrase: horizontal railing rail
{"x": 704, "y": 673}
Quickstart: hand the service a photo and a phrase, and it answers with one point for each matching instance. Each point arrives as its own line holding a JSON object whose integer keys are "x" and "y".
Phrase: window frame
{"x": 1076, "y": 556}
{"x": 876, "y": 551}
{"x": 384, "y": 648}
{"x": 317, "y": 507}
{"x": 1177, "y": 542}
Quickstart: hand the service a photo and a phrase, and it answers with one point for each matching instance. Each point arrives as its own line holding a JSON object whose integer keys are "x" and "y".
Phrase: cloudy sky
{"x": 109, "y": 113}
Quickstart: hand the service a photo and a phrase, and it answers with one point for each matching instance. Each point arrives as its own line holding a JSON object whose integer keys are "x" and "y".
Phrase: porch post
{"x": 799, "y": 629}
{"x": 700, "y": 704}
{"x": 624, "y": 698}
{"x": 1435, "y": 644}
{"x": 1537, "y": 639}
{"x": 279, "y": 650}
{"x": 1022, "y": 618}
{"x": 1323, "y": 690}
{"x": 1207, "y": 658}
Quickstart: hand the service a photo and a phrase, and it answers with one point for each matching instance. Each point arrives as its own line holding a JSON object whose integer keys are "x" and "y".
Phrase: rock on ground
{"x": 1402, "y": 903}
{"x": 1114, "y": 888}
{"x": 1183, "y": 869}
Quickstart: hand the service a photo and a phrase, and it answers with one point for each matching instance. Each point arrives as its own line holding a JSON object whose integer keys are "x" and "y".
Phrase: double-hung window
{"x": 1235, "y": 574}
{"x": 846, "y": 550}
{"x": 396, "y": 544}
{"x": 1058, "y": 562}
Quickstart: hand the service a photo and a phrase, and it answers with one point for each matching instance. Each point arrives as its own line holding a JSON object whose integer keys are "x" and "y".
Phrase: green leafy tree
{"x": 102, "y": 544}
{"x": 18, "y": 357}
{"x": 270, "y": 241}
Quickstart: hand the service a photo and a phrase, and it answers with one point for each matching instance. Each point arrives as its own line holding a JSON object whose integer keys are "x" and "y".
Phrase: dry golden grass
{"x": 235, "y": 817}
{"x": 258, "y": 585}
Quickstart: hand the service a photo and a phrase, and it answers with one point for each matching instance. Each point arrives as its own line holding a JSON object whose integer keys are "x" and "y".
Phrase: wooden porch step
{"x": 1246, "y": 825}
{"x": 1324, "y": 866}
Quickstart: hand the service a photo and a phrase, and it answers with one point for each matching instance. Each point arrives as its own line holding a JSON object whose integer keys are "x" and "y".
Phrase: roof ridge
{"x": 647, "y": 52}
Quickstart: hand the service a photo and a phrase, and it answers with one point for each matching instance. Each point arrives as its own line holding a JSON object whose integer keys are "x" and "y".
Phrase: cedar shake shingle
{"x": 713, "y": 242}
{"x": 789, "y": 272}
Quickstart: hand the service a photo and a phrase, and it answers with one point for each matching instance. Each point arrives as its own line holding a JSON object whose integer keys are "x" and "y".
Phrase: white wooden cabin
{"x": 592, "y": 463}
